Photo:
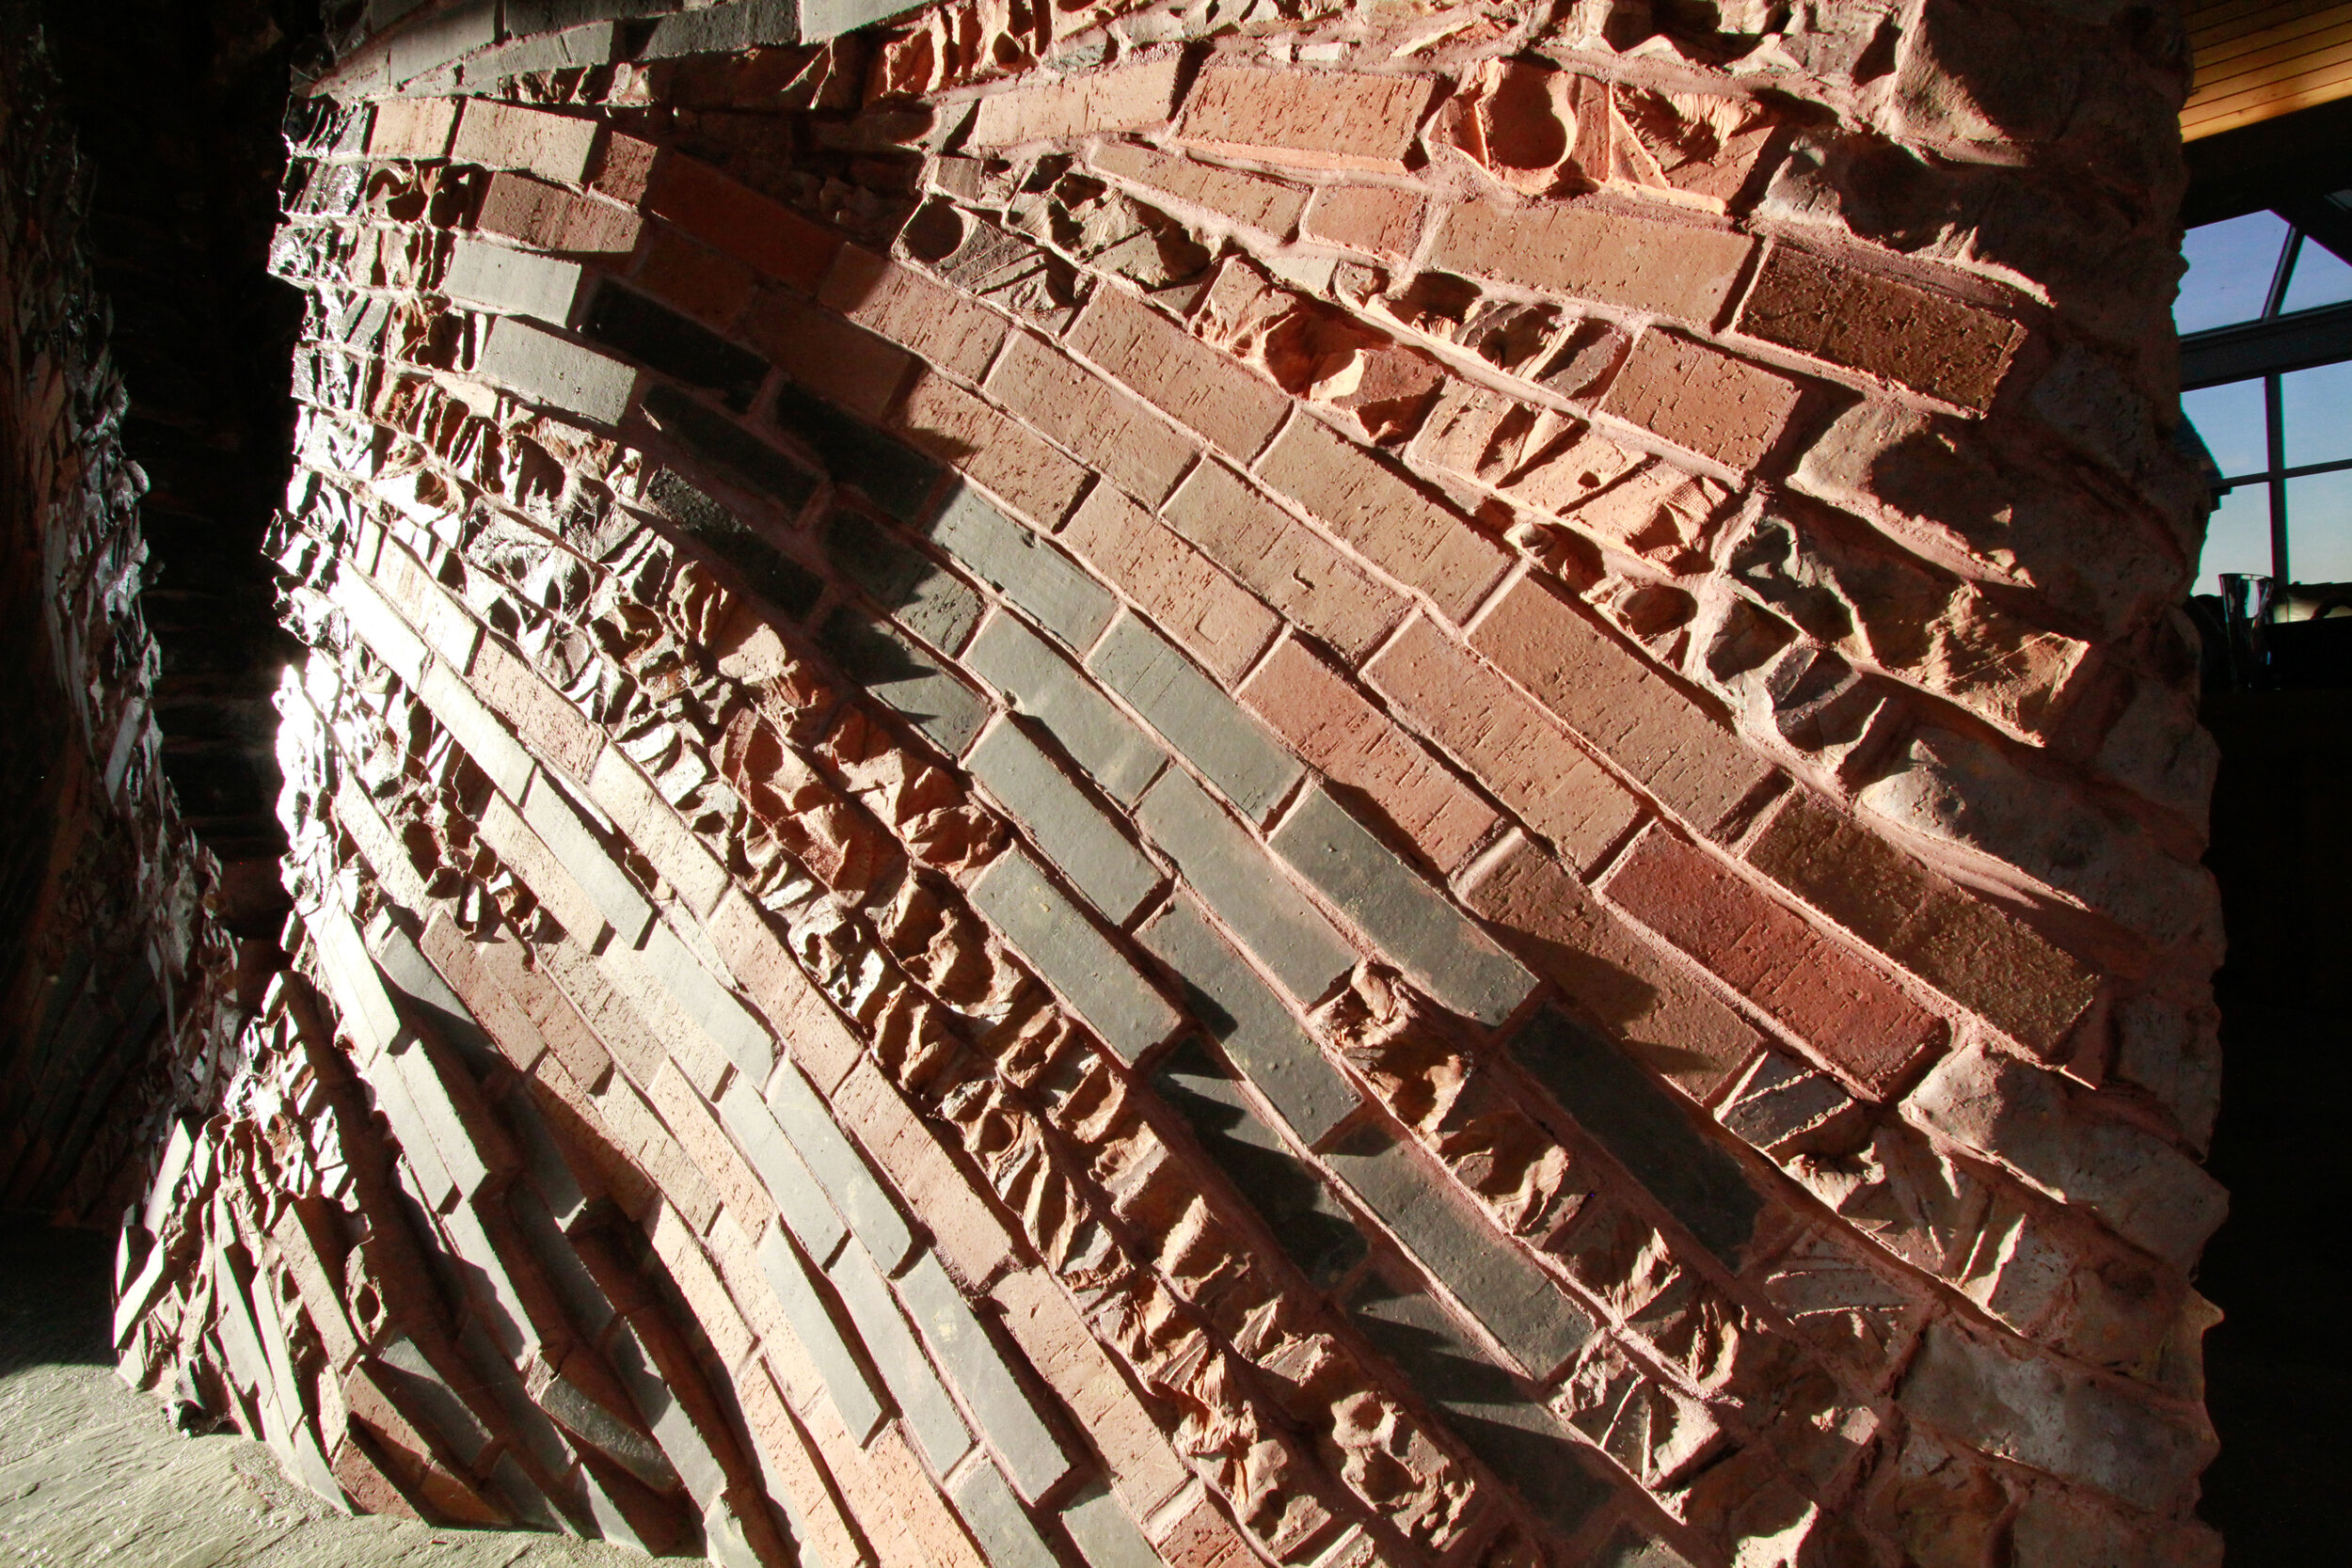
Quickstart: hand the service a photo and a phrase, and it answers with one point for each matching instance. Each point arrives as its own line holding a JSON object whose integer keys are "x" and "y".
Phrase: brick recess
{"x": 1040, "y": 938}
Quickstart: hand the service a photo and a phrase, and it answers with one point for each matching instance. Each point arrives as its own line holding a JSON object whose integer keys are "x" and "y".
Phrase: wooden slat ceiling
{"x": 2257, "y": 59}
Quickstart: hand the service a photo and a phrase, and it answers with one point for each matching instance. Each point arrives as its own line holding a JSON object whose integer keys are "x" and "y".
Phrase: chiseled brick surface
{"x": 1089, "y": 723}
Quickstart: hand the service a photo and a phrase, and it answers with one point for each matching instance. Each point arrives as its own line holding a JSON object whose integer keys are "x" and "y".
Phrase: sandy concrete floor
{"x": 92, "y": 1472}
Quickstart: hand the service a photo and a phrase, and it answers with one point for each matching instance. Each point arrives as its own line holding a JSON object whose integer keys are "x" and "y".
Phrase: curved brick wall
{"x": 1334, "y": 785}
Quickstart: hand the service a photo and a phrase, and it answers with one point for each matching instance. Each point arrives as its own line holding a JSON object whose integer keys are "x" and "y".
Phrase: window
{"x": 2266, "y": 321}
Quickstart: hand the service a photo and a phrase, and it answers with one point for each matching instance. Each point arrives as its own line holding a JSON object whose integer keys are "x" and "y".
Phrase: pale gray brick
{"x": 1195, "y": 716}
{"x": 1074, "y": 956}
{"x": 999, "y": 1522}
{"x": 838, "y": 1168}
{"x": 723, "y": 29}
{"x": 798, "y": 1196}
{"x": 700, "y": 994}
{"x": 1078, "y": 835}
{"x": 1022, "y": 566}
{"x": 550, "y": 369}
{"x": 1438, "y": 947}
{"x": 581, "y": 848}
{"x": 926, "y": 598}
{"x": 825, "y": 19}
{"x": 930, "y": 1415}
{"x": 1031, "y": 1454}
{"x": 1106, "y": 1538}
{"x": 900, "y": 673}
{"x": 511, "y": 282}
{"x": 1242, "y": 884}
{"x": 681, "y": 1441}
{"x": 1255, "y": 1028}
{"x": 1042, "y": 684}
{"x": 478, "y": 731}
{"x": 854, "y": 1397}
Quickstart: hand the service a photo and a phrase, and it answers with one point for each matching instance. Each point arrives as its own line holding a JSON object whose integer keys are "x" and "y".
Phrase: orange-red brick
{"x": 1216, "y": 619}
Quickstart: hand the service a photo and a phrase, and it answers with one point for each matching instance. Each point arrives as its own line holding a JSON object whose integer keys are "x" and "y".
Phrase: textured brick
{"x": 1378, "y": 219}
{"x": 1421, "y": 542}
{"x": 1128, "y": 98}
{"x": 1241, "y": 882}
{"x": 1312, "y": 118}
{"x": 508, "y": 135}
{"x": 1195, "y": 716}
{"x": 1289, "y": 565}
{"x": 1177, "y": 372}
{"x": 549, "y": 217}
{"x": 1084, "y": 843}
{"x": 1043, "y": 685}
{"x": 854, "y": 1399}
{"x": 1413, "y": 923}
{"x": 1597, "y": 253}
{"x": 814, "y": 1035}
{"x": 1050, "y": 1333}
{"x": 798, "y": 1198}
{"x": 1020, "y": 565}
{"x": 1981, "y": 956}
{"x": 894, "y": 475}
{"x": 928, "y": 600}
{"x": 903, "y": 674}
{"x": 1531, "y": 1318}
{"x": 1506, "y": 741}
{"x": 476, "y": 730}
{"x": 1670, "y": 1022}
{"x": 945, "y": 329}
{"x": 512, "y": 282}
{"x": 1880, "y": 326}
{"x": 415, "y": 128}
{"x": 693, "y": 277}
{"x": 1250, "y": 199}
{"x": 835, "y": 1161}
{"x": 795, "y": 1476}
{"x": 742, "y": 543}
{"x": 1259, "y": 1034}
{"x": 1108, "y": 430}
{"x": 1358, "y": 748}
{"x": 741, "y": 223}
{"x": 1004, "y": 1530}
{"x": 1306, "y": 1220}
{"x": 623, "y": 319}
{"x": 554, "y": 731}
{"x": 696, "y": 1128}
{"x": 1853, "y": 1018}
{"x": 966, "y": 1232}
{"x": 1074, "y": 957}
{"x": 1031, "y": 1455}
{"x": 577, "y": 845}
{"x": 727, "y": 447}
{"x": 549, "y": 370}
{"x": 447, "y": 625}
{"x": 1671, "y": 746}
{"x": 1523, "y": 1441}
{"x": 1703, "y": 399}
{"x": 1216, "y": 619}
{"x": 825, "y": 354}
{"x": 625, "y": 795}
{"x": 930, "y": 1416}
{"x": 1010, "y": 458}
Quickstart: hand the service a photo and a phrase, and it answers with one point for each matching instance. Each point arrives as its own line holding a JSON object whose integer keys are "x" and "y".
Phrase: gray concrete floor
{"x": 92, "y": 1471}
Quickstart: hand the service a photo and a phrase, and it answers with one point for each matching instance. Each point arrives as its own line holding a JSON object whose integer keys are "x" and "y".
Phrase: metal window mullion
{"x": 2274, "y": 423}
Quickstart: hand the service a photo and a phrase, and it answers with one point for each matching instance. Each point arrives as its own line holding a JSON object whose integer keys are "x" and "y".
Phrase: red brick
{"x": 1378, "y": 218}
{"x": 1506, "y": 741}
{"x": 1331, "y": 724}
{"x": 1289, "y": 564}
{"x": 1247, "y": 199}
{"x": 508, "y": 135}
{"x": 566, "y": 1035}
{"x": 1980, "y": 955}
{"x": 556, "y": 731}
{"x": 788, "y": 1458}
{"x": 1881, "y": 327}
{"x": 1008, "y": 457}
{"x": 1670, "y": 1021}
{"x": 550, "y": 217}
{"x": 364, "y": 1482}
{"x": 904, "y": 1487}
{"x": 1702, "y": 399}
{"x": 706, "y": 1298}
{"x": 1050, "y": 1333}
{"x": 825, "y": 354}
{"x": 415, "y": 128}
{"x": 944, "y": 326}
{"x": 1128, "y": 98}
{"x": 1110, "y": 431}
{"x": 1855, "y": 1021}
{"x": 1216, "y": 619}
{"x": 640, "y": 1132}
{"x": 745, "y": 224}
{"x": 501, "y": 1016}
{"x": 1312, "y": 118}
{"x": 623, "y": 168}
{"x": 707, "y": 1144}
{"x": 968, "y": 1236}
{"x": 1202, "y": 1537}
{"x": 802, "y": 1018}
{"x": 737, "y": 1256}
{"x": 1420, "y": 542}
{"x": 1177, "y": 372}
{"x": 1596, "y": 252}
{"x": 1629, "y": 713}
{"x": 693, "y": 277}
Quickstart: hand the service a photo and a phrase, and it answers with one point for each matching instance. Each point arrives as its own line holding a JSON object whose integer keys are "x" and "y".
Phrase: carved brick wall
{"x": 1323, "y": 784}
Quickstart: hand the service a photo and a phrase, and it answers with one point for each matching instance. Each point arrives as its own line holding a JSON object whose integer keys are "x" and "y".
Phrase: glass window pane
{"x": 2237, "y": 538}
{"x": 2319, "y": 527}
{"x": 2229, "y": 268}
{"x": 2228, "y": 419}
{"x": 2321, "y": 278}
{"x": 2316, "y": 405}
